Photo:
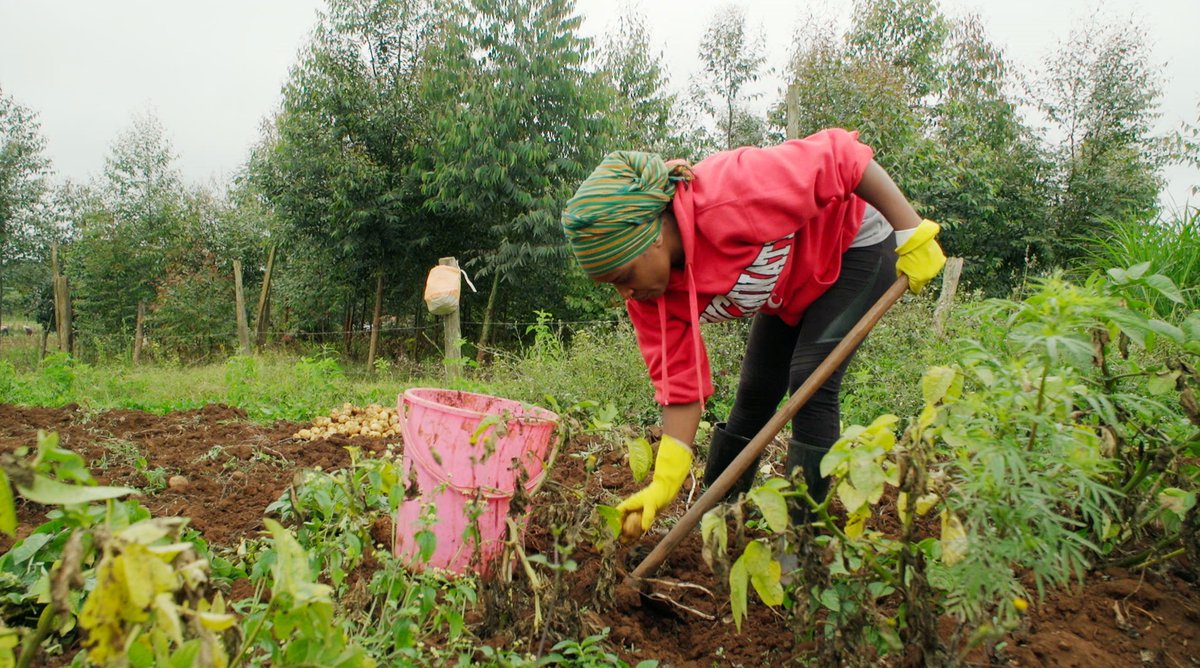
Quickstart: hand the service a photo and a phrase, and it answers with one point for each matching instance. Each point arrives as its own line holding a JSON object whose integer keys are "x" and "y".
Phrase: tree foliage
{"x": 24, "y": 169}
{"x": 1101, "y": 93}
{"x": 934, "y": 98}
{"x": 520, "y": 118}
{"x": 129, "y": 228}
{"x": 338, "y": 167}
{"x": 643, "y": 103}
{"x": 732, "y": 57}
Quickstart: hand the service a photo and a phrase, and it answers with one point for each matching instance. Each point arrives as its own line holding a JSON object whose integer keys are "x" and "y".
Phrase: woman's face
{"x": 643, "y": 277}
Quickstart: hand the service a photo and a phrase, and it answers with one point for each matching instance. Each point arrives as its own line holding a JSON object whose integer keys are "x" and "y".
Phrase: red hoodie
{"x": 763, "y": 231}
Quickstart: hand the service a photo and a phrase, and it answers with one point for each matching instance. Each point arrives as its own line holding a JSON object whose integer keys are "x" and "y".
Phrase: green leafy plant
{"x": 300, "y": 620}
{"x": 334, "y": 512}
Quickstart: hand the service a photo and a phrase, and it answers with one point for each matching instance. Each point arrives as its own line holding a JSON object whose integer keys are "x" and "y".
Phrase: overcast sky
{"x": 211, "y": 70}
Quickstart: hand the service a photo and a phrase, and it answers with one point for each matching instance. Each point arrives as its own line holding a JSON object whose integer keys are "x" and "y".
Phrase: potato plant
{"x": 1064, "y": 437}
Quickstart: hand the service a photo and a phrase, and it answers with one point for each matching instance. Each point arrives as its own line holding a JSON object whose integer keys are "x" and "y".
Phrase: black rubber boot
{"x": 723, "y": 449}
{"x": 807, "y": 457}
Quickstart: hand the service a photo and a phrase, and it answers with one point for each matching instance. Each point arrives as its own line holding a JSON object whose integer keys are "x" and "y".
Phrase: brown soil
{"x": 235, "y": 468}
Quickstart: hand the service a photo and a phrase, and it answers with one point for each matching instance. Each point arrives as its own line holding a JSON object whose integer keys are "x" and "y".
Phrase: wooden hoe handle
{"x": 745, "y": 460}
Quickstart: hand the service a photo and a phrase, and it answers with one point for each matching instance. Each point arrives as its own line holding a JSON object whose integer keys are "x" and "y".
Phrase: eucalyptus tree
{"x": 519, "y": 118}
{"x": 24, "y": 170}
{"x": 908, "y": 35}
{"x": 337, "y": 168}
{"x": 128, "y": 228}
{"x": 633, "y": 66}
{"x": 935, "y": 99}
{"x": 1102, "y": 93}
{"x": 732, "y": 57}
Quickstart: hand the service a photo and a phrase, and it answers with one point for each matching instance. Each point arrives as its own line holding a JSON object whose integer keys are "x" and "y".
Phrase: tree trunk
{"x": 62, "y": 314}
{"x": 347, "y": 323}
{"x": 137, "y": 332}
{"x": 481, "y": 348}
{"x": 375, "y": 316}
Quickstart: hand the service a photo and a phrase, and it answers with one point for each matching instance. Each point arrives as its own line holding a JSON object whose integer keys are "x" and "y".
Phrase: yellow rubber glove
{"x": 671, "y": 467}
{"x": 920, "y": 257}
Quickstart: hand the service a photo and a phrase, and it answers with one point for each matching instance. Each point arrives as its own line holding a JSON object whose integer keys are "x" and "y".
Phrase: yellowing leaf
{"x": 926, "y": 502}
{"x": 935, "y": 383}
{"x": 1177, "y": 500}
{"x": 215, "y": 622}
{"x": 834, "y": 459}
{"x": 641, "y": 457}
{"x": 611, "y": 517}
{"x": 715, "y": 536}
{"x": 927, "y": 417}
{"x": 105, "y": 611}
{"x": 739, "y": 581}
{"x": 757, "y": 556}
{"x": 882, "y": 424}
{"x": 885, "y": 440}
{"x": 140, "y": 588}
{"x": 152, "y": 530}
{"x": 891, "y": 474}
{"x": 851, "y": 497}
{"x": 866, "y": 476}
{"x": 166, "y": 616}
{"x": 773, "y": 507}
{"x": 857, "y": 521}
{"x": 954, "y": 539}
{"x": 768, "y": 585}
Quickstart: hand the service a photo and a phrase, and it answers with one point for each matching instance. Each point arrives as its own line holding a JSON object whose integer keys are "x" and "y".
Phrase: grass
{"x": 1172, "y": 247}
{"x": 600, "y": 365}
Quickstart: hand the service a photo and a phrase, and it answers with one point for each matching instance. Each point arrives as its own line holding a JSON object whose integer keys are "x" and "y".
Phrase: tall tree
{"x": 634, "y": 68}
{"x": 127, "y": 232}
{"x": 1102, "y": 94}
{"x": 24, "y": 169}
{"x": 520, "y": 119}
{"x": 732, "y": 57}
{"x": 338, "y": 167}
{"x": 934, "y": 98}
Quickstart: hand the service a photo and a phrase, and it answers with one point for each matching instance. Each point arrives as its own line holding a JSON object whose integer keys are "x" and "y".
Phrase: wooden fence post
{"x": 262, "y": 317}
{"x": 453, "y": 327}
{"x": 240, "y": 299}
{"x": 950, "y": 276}
{"x": 61, "y": 313}
{"x": 375, "y": 317}
{"x": 137, "y": 332}
{"x": 793, "y": 112}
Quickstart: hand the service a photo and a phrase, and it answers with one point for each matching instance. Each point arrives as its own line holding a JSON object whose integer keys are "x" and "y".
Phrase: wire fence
{"x": 413, "y": 341}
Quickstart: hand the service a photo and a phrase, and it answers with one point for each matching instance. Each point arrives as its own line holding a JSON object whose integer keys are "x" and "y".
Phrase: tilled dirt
{"x": 235, "y": 468}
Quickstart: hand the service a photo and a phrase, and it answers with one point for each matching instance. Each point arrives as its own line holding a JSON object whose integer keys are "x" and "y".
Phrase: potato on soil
{"x": 373, "y": 421}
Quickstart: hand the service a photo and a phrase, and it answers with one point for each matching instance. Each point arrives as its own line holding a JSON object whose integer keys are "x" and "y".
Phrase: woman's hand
{"x": 671, "y": 467}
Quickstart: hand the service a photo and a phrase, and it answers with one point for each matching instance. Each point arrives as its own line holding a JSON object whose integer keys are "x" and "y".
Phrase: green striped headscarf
{"x": 616, "y": 213}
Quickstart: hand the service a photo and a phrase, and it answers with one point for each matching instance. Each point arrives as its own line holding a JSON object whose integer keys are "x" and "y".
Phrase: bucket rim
{"x": 530, "y": 412}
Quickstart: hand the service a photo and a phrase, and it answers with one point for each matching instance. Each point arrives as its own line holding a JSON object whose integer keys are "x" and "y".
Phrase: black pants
{"x": 780, "y": 357}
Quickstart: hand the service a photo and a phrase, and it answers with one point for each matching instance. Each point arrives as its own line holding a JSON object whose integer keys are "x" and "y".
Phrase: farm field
{"x": 235, "y": 468}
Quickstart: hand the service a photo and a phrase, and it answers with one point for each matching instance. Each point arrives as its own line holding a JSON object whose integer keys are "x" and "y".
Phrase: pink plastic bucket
{"x": 466, "y": 452}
